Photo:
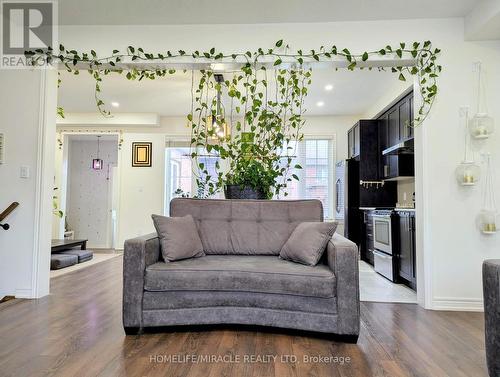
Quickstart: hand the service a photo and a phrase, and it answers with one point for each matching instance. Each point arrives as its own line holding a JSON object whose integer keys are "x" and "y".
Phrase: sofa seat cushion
{"x": 241, "y": 273}
{"x": 209, "y": 299}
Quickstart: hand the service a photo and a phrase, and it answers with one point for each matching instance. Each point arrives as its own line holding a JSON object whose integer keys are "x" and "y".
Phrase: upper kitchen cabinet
{"x": 363, "y": 145}
{"x": 353, "y": 144}
{"x": 405, "y": 118}
{"x": 397, "y": 121}
{"x": 393, "y": 128}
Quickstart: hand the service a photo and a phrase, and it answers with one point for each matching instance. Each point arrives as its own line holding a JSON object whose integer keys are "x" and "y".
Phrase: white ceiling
{"x": 353, "y": 92}
{"x": 177, "y": 12}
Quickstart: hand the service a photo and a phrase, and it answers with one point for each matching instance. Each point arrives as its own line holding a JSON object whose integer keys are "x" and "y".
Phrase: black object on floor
{"x": 83, "y": 255}
{"x": 58, "y": 261}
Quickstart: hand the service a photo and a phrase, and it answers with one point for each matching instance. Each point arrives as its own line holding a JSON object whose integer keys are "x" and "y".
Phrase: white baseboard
{"x": 458, "y": 304}
{"x": 24, "y": 293}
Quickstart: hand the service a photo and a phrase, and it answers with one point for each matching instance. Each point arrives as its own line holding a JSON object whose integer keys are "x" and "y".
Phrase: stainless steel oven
{"x": 383, "y": 260}
{"x": 382, "y": 231}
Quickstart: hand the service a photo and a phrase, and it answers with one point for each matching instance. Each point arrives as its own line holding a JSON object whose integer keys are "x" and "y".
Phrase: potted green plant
{"x": 256, "y": 145}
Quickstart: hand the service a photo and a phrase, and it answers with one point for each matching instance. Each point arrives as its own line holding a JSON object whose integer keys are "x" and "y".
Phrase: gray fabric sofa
{"x": 241, "y": 279}
{"x": 491, "y": 293}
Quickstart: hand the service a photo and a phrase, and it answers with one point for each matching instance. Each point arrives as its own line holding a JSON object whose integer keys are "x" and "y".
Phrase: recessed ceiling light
{"x": 320, "y": 104}
{"x": 115, "y": 104}
{"x": 329, "y": 87}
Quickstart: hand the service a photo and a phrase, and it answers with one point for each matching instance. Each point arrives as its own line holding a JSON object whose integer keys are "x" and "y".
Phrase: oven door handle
{"x": 381, "y": 255}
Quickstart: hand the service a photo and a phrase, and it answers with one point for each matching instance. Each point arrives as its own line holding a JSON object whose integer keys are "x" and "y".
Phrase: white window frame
{"x": 332, "y": 157}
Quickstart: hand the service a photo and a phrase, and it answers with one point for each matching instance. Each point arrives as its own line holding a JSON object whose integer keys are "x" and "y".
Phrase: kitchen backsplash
{"x": 406, "y": 189}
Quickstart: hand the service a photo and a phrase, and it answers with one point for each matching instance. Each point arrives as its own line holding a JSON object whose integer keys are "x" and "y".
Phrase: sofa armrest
{"x": 138, "y": 253}
{"x": 342, "y": 258}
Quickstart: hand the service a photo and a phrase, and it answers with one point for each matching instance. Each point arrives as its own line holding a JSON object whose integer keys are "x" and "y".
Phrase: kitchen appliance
{"x": 347, "y": 197}
{"x": 404, "y": 147}
{"x": 383, "y": 241}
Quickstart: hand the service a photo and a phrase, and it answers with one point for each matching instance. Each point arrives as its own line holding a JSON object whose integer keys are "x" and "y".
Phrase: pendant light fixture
{"x": 97, "y": 163}
{"x": 489, "y": 213}
{"x": 481, "y": 125}
{"x": 468, "y": 172}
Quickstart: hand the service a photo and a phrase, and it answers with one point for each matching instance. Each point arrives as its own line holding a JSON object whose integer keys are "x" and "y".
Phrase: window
{"x": 316, "y": 176}
{"x": 179, "y": 171}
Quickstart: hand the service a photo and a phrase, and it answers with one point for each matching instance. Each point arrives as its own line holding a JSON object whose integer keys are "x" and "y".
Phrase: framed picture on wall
{"x": 141, "y": 154}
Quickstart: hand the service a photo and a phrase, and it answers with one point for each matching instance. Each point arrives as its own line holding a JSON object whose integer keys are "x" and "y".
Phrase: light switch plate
{"x": 2, "y": 148}
{"x": 25, "y": 172}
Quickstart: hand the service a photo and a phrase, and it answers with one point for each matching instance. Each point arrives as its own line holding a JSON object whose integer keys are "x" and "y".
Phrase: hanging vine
{"x": 258, "y": 143}
{"x": 423, "y": 54}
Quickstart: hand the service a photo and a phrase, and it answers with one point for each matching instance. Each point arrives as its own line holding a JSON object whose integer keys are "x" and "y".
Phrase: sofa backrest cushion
{"x": 246, "y": 227}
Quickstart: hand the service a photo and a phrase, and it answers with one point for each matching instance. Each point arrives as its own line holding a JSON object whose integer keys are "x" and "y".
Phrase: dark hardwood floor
{"x": 77, "y": 331}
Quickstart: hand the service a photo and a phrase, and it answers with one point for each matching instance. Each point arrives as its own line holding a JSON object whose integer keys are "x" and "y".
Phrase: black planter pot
{"x": 243, "y": 192}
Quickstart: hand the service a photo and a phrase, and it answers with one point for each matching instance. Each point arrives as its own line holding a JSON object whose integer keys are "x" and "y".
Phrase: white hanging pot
{"x": 468, "y": 173}
{"x": 488, "y": 220}
{"x": 481, "y": 126}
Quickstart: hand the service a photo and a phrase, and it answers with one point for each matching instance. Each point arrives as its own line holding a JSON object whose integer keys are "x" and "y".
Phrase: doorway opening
{"x": 85, "y": 201}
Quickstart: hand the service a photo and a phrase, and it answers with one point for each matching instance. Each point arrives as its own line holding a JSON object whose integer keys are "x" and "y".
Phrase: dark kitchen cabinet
{"x": 404, "y": 119}
{"x": 362, "y": 140}
{"x": 353, "y": 141}
{"x": 406, "y": 249}
{"x": 396, "y": 123}
{"x": 402, "y": 165}
{"x": 364, "y": 146}
{"x": 412, "y": 116}
{"x": 367, "y": 242}
{"x": 393, "y": 128}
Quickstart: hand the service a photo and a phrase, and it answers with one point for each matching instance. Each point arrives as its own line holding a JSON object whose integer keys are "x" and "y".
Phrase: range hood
{"x": 405, "y": 147}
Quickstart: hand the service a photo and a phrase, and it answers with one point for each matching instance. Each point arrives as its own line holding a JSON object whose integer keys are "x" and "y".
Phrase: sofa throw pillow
{"x": 179, "y": 238}
{"x": 307, "y": 242}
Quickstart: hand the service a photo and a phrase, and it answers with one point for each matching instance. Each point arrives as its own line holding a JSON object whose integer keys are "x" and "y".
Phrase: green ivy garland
{"x": 426, "y": 68}
{"x": 270, "y": 123}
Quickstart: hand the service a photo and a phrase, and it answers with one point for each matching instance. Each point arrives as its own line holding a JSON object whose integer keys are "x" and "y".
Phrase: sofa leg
{"x": 132, "y": 330}
{"x": 346, "y": 338}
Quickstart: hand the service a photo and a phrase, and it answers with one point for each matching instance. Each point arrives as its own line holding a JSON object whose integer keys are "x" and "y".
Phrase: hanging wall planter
{"x": 468, "y": 172}
{"x": 481, "y": 125}
{"x": 488, "y": 216}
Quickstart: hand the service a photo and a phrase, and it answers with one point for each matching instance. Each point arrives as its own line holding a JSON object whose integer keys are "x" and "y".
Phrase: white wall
{"x": 452, "y": 248}
{"x": 27, "y": 111}
{"x": 88, "y": 208}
